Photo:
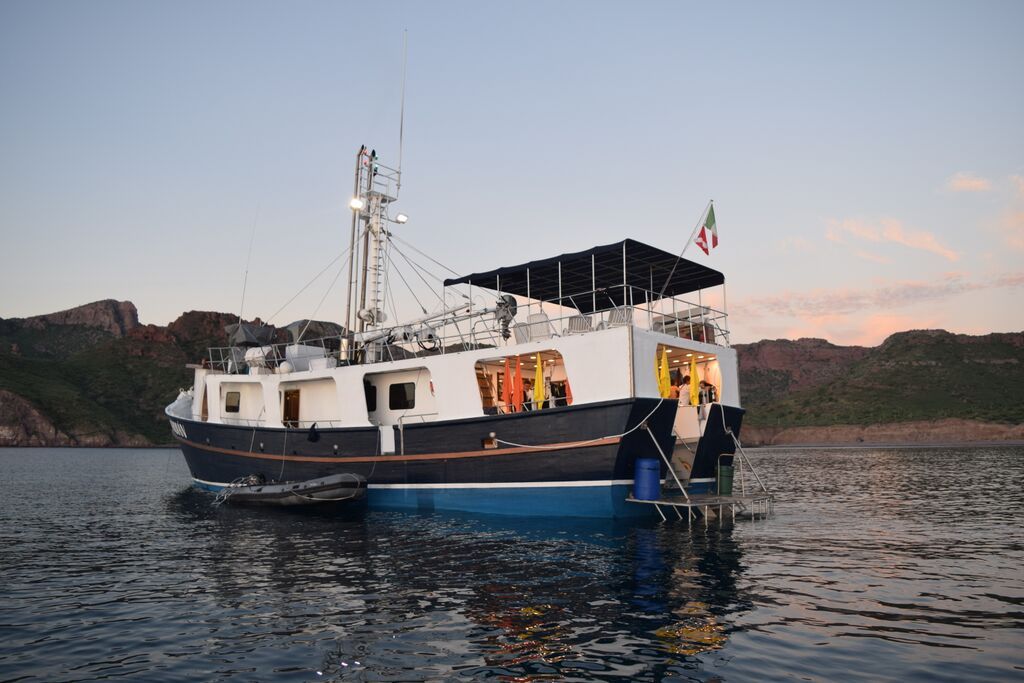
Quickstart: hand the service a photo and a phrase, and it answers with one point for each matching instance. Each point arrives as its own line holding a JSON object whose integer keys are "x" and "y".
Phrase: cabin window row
{"x": 401, "y": 396}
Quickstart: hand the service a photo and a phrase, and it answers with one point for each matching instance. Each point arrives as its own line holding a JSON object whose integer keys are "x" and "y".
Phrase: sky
{"x": 866, "y": 159}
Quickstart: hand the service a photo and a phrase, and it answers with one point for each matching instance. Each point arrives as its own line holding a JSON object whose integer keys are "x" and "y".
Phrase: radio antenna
{"x": 401, "y": 117}
{"x": 248, "y": 260}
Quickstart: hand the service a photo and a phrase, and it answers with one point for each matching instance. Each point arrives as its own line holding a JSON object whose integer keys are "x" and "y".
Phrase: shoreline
{"x": 922, "y": 433}
{"x": 891, "y": 445}
{"x": 115, "y": 447}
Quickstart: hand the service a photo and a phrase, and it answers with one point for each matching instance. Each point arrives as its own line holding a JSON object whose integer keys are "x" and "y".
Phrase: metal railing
{"x": 291, "y": 424}
{"x": 314, "y": 354}
{"x": 534, "y": 321}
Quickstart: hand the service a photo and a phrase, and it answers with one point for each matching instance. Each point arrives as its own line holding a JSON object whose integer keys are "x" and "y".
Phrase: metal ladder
{"x": 756, "y": 503}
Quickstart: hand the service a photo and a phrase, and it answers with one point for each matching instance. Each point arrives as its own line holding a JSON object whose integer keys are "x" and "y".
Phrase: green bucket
{"x": 725, "y": 473}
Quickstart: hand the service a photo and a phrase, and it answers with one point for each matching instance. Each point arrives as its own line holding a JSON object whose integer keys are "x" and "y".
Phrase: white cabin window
{"x": 232, "y": 401}
{"x": 399, "y": 396}
{"x": 402, "y": 396}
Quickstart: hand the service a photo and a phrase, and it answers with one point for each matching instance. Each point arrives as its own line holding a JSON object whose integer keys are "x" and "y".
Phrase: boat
{"x": 256, "y": 490}
{"x": 532, "y": 389}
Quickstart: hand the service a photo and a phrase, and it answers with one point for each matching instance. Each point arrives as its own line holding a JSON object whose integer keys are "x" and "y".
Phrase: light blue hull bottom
{"x": 606, "y": 502}
{"x": 571, "y": 501}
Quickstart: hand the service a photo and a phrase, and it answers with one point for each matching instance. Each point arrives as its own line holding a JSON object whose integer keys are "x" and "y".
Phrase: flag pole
{"x": 686, "y": 246}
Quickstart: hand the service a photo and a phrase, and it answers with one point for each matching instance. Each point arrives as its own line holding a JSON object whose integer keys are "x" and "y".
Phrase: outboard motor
{"x": 505, "y": 313}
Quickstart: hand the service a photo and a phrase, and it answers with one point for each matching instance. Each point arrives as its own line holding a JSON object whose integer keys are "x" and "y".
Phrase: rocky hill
{"x": 921, "y": 385}
{"x": 94, "y": 376}
{"x": 116, "y": 317}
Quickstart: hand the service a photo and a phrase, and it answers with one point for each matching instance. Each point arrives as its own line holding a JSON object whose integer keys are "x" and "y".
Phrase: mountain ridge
{"x": 94, "y": 376}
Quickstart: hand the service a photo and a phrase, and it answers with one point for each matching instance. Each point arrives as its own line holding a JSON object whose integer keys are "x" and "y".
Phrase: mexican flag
{"x": 709, "y": 227}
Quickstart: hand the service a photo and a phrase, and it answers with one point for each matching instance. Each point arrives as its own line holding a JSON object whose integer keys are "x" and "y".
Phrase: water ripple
{"x": 879, "y": 565}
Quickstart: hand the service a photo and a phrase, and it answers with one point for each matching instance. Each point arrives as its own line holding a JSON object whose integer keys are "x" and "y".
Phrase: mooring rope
{"x": 225, "y": 493}
{"x": 576, "y": 444}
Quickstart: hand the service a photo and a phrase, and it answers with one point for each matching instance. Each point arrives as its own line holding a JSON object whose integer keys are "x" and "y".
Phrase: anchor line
{"x": 588, "y": 441}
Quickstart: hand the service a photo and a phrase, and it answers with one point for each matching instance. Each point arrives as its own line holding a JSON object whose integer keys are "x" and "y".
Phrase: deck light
{"x": 401, "y": 218}
{"x": 689, "y": 355}
{"x": 357, "y": 204}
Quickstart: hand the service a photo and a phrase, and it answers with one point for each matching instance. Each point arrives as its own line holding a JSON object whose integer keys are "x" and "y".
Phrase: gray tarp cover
{"x": 248, "y": 334}
{"x": 317, "y": 329}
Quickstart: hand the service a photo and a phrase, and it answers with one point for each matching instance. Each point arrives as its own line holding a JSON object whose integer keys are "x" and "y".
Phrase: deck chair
{"x": 620, "y": 316}
{"x": 521, "y": 332}
{"x": 578, "y": 324}
{"x": 540, "y": 326}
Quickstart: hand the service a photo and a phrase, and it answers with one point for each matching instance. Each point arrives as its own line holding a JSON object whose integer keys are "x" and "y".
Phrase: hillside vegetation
{"x": 911, "y": 376}
{"x": 93, "y": 383}
{"x": 94, "y": 376}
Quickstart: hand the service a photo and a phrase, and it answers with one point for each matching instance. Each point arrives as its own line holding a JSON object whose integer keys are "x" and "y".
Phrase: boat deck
{"x": 756, "y": 505}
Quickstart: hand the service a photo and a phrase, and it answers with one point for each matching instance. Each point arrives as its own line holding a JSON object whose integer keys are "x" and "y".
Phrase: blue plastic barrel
{"x": 647, "y": 479}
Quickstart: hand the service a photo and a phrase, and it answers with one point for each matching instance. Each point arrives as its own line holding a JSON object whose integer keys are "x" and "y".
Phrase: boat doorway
{"x": 508, "y": 383}
{"x": 290, "y": 414}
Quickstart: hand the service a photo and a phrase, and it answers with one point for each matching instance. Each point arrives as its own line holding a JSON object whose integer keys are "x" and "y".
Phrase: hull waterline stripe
{"x": 395, "y": 457}
{"x": 501, "y": 485}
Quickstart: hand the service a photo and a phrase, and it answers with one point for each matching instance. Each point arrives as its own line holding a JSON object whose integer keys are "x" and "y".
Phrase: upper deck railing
{"x": 678, "y": 317}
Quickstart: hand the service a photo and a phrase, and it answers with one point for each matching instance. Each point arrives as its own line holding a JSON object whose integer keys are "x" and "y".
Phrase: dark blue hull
{"x": 573, "y": 460}
{"x": 717, "y": 446}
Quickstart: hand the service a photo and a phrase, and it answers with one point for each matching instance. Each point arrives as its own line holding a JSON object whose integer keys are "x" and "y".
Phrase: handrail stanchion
{"x": 667, "y": 462}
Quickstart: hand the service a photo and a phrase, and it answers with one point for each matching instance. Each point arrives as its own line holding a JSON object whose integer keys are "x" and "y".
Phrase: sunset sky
{"x": 866, "y": 159}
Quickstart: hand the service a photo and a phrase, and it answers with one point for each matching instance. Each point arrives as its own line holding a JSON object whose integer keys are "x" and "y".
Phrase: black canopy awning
{"x": 604, "y": 269}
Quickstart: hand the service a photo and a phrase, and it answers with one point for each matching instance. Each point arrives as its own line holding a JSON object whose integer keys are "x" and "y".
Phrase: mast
{"x": 375, "y": 189}
{"x": 352, "y": 245}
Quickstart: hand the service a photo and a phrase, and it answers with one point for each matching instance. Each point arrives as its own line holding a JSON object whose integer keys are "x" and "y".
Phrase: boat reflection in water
{"x": 420, "y": 597}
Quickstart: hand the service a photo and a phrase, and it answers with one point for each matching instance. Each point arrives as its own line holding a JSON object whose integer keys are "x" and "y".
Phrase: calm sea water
{"x": 878, "y": 565}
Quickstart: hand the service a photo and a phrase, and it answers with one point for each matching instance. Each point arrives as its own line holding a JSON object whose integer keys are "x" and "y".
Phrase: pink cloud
{"x": 873, "y": 330}
{"x": 869, "y": 256}
{"x": 822, "y": 304}
{"x": 1018, "y": 183}
{"x": 916, "y": 239}
{"x": 1012, "y": 229}
{"x": 968, "y": 182}
{"x": 798, "y": 244}
{"x": 869, "y": 331}
{"x": 866, "y": 316}
{"x": 890, "y": 230}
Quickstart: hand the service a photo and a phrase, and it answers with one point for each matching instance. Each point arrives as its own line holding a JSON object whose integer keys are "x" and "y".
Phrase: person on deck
{"x": 684, "y": 391}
